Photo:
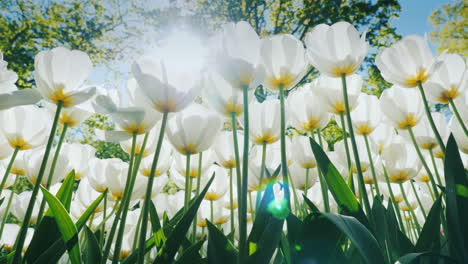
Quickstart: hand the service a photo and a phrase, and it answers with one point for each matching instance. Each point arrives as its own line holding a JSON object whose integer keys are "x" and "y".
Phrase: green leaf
{"x": 220, "y": 249}
{"x": 429, "y": 238}
{"x": 457, "y": 206}
{"x": 92, "y": 252}
{"x": 47, "y": 231}
{"x": 343, "y": 195}
{"x": 413, "y": 257}
{"x": 310, "y": 204}
{"x": 379, "y": 222}
{"x": 56, "y": 249}
{"x": 360, "y": 237}
{"x": 319, "y": 241}
{"x": 177, "y": 236}
{"x": 191, "y": 255}
{"x": 65, "y": 225}
{"x": 154, "y": 217}
{"x": 398, "y": 242}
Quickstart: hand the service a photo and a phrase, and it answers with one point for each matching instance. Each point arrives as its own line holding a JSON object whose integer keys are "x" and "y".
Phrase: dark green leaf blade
{"x": 220, "y": 249}
{"x": 429, "y": 237}
{"x": 92, "y": 252}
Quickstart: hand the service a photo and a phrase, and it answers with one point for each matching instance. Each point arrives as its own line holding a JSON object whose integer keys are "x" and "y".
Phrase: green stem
{"x": 104, "y": 215}
{"x": 187, "y": 182}
{"x": 243, "y": 249}
{"x": 52, "y": 170}
{"x": 458, "y": 116}
{"x": 293, "y": 187}
{"x": 345, "y": 141}
{"x": 8, "y": 169}
{"x": 430, "y": 191}
{"x": 24, "y": 227}
{"x": 7, "y": 209}
{"x": 392, "y": 196}
{"x": 199, "y": 172}
{"x": 149, "y": 188}
{"x": 429, "y": 117}
{"x": 306, "y": 187}
{"x": 121, "y": 208}
{"x": 237, "y": 157}
{"x": 418, "y": 227}
{"x": 417, "y": 199}
{"x": 262, "y": 172}
{"x": 323, "y": 182}
{"x": 126, "y": 201}
{"x": 284, "y": 161}
{"x": 371, "y": 162}
{"x": 211, "y": 212}
{"x": 354, "y": 146}
{"x": 436, "y": 171}
{"x": 135, "y": 238}
{"x": 231, "y": 199}
{"x": 423, "y": 161}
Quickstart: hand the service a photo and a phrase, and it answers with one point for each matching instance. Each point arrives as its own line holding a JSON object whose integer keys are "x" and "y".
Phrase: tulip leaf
{"x": 58, "y": 248}
{"x": 429, "y": 237}
{"x": 92, "y": 251}
{"x": 47, "y": 231}
{"x": 343, "y": 195}
{"x": 220, "y": 249}
{"x": 317, "y": 241}
{"x": 411, "y": 258}
{"x": 457, "y": 205}
{"x": 155, "y": 225}
{"x": 177, "y": 236}
{"x": 65, "y": 225}
{"x": 397, "y": 241}
{"x": 359, "y": 236}
{"x": 310, "y": 204}
{"x": 191, "y": 255}
{"x": 379, "y": 222}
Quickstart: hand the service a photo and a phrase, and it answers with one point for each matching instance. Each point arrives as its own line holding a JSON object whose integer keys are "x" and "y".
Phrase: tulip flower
{"x": 20, "y": 204}
{"x": 224, "y": 149}
{"x": 164, "y": 161}
{"x": 329, "y": 89}
{"x": 59, "y": 75}
{"x": 403, "y": 107}
{"x": 194, "y": 130}
{"x": 8, "y": 238}
{"x": 78, "y": 156}
{"x": 265, "y": 122}
{"x": 460, "y": 137}
{"x": 219, "y": 186}
{"x": 306, "y": 110}
{"x": 34, "y": 160}
{"x": 238, "y": 57}
{"x": 401, "y": 162}
{"x": 367, "y": 115}
{"x": 382, "y": 136}
{"x": 341, "y": 53}
{"x": 9, "y": 95}
{"x": 407, "y": 62}
{"x": 425, "y": 136}
{"x": 98, "y": 171}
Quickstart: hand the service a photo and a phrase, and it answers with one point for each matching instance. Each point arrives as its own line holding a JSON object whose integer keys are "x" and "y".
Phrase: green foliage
{"x": 449, "y": 22}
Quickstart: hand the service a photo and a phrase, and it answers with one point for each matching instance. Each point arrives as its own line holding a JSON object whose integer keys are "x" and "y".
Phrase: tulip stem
{"x": 423, "y": 161}
{"x": 149, "y": 189}
{"x": 187, "y": 182}
{"x": 417, "y": 198}
{"x": 354, "y": 146}
{"x": 323, "y": 182}
{"x": 7, "y": 209}
{"x": 262, "y": 173}
{"x": 121, "y": 208}
{"x": 243, "y": 249}
{"x": 24, "y": 227}
{"x": 306, "y": 186}
{"x": 392, "y": 196}
{"x": 211, "y": 211}
{"x": 104, "y": 215}
{"x": 52, "y": 170}
{"x": 126, "y": 201}
{"x": 371, "y": 163}
{"x": 293, "y": 187}
{"x": 284, "y": 161}
{"x": 345, "y": 141}
{"x": 458, "y": 116}
{"x": 429, "y": 117}
{"x": 8, "y": 169}
{"x": 238, "y": 162}
{"x": 410, "y": 208}
{"x": 436, "y": 171}
{"x": 197, "y": 192}
{"x": 231, "y": 200}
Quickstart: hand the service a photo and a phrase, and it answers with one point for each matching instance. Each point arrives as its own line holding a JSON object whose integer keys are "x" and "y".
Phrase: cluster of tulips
{"x": 207, "y": 129}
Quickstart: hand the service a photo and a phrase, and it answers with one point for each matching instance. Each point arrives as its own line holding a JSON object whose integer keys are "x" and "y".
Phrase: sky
{"x": 414, "y": 19}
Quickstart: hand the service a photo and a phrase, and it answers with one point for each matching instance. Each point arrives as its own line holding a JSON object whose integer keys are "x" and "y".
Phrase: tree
{"x": 449, "y": 22}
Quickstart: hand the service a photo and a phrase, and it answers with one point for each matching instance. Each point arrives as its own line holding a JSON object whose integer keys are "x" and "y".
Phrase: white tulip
{"x": 224, "y": 149}
{"x": 367, "y": 115}
{"x": 264, "y": 125}
{"x": 401, "y": 161}
{"x": 336, "y": 49}
{"x": 59, "y": 75}
{"x": 78, "y": 156}
{"x": 330, "y": 90}
{"x": 33, "y": 160}
{"x": 403, "y": 107}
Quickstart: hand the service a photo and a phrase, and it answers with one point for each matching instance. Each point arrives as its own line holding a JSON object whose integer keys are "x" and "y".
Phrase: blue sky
{"x": 414, "y": 16}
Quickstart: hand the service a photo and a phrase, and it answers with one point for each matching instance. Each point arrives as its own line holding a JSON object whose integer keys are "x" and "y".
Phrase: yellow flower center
{"x": 401, "y": 176}
{"x": 212, "y": 196}
{"x": 424, "y": 178}
{"x": 147, "y": 171}
{"x": 67, "y": 119}
{"x": 311, "y": 124}
{"x": 420, "y": 76}
{"x": 267, "y": 138}
{"x": 428, "y": 145}
{"x": 17, "y": 171}
{"x": 60, "y": 95}
{"x": 188, "y": 149}
{"x": 169, "y": 106}
{"x": 134, "y": 128}
{"x": 221, "y": 220}
{"x": 19, "y": 142}
{"x": 229, "y": 164}
{"x": 344, "y": 69}
{"x": 409, "y": 121}
{"x": 452, "y": 93}
{"x": 364, "y": 129}
{"x": 284, "y": 80}
{"x": 230, "y": 107}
